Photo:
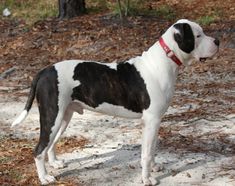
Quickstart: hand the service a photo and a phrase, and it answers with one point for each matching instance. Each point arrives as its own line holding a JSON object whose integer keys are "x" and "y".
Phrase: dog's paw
{"x": 157, "y": 167}
{"x": 57, "y": 164}
{"x": 150, "y": 181}
{"x": 47, "y": 179}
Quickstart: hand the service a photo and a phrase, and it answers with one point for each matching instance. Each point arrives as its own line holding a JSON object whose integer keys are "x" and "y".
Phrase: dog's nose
{"x": 216, "y": 41}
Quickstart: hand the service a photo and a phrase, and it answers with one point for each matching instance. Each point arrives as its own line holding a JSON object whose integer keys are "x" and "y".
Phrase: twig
{"x": 120, "y": 9}
{"x": 7, "y": 72}
{"x": 127, "y": 7}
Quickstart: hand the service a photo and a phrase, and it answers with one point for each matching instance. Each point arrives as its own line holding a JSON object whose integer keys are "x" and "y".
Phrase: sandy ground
{"x": 113, "y": 155}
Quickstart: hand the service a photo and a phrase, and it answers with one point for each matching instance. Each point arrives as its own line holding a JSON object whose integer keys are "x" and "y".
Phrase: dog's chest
{"x": 168, "y": 89}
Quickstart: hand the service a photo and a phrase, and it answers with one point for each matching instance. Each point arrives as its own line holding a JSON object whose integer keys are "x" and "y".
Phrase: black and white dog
{"x": 139, "y": 88}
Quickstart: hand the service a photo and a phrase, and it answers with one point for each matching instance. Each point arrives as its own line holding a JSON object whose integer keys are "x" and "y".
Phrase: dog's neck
{"x": 158, "y": 69}
{"x": 157, "y": 59}
{"x": 169, "y": 52}
{"x": 172, "y": 44}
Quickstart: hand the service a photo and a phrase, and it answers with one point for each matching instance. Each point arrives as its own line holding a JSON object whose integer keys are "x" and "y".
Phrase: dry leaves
{"x": 17, "y": 163}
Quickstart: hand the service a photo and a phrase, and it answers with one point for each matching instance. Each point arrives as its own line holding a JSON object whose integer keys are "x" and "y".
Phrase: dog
{"x": 141, "y": 87}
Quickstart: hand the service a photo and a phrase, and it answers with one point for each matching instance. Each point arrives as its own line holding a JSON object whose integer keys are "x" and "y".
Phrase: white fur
{"x": 44, "y": 177}
{"x": 20, "y": 118}
{"x": 115, "y": 110}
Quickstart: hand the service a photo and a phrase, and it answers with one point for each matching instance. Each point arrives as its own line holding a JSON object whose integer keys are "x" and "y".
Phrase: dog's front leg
{"x": 151, "y": 126}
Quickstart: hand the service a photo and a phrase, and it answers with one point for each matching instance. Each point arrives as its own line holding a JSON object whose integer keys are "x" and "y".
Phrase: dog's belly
{"x": 115, "y": 110}
{"x": 107, "y": 108}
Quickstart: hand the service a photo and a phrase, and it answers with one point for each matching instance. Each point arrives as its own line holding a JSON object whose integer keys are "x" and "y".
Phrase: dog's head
{"x": 189, "y": 41}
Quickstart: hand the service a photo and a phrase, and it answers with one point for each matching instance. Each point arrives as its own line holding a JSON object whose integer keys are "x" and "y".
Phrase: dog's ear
{"x": 179, "y": 33}
{"x": 184, "y": 37}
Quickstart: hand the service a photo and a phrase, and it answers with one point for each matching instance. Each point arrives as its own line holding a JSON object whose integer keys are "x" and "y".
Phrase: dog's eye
{"x": 198, "y": 36}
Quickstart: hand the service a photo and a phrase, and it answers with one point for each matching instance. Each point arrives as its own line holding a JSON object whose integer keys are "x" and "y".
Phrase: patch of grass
{"x": 95, "y": 6}
{"x": 214, "y": 14}
{"x": 166, "y": 12}
{"x": 206, "y": 20}
{"x": 30, "y": 10}
{"x": 139, "y": 7}
{"x": 6, "y": 4}
{"x": 4, "y": 159}
{"x": 127, "y": 10}
{"x": 15, "y": 174}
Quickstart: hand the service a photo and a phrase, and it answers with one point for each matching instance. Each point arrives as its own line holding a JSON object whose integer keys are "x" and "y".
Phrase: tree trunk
{"x": 71, "y": 8}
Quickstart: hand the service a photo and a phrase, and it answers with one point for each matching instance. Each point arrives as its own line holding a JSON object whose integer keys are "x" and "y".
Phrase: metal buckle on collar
{"x": 170, "y": 54}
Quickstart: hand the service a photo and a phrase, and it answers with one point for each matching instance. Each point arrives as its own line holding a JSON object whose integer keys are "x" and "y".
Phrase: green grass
{"x": 15, "y": 174}
{"x": 138, "y": 7}
{"x": 166, "y": 12}
{"x": 215, "y": 14}
{"x": 4, "y": 159}
{"x": 206, "y": 20}
{"x": 6, "y": 4}
{"x": 30, "y": 10}
{"x": 133, "y": 9}
{"x": 96, "y": 6}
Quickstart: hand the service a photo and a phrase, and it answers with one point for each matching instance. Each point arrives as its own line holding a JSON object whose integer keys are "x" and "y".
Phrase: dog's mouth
{"x": 202, "y": 59}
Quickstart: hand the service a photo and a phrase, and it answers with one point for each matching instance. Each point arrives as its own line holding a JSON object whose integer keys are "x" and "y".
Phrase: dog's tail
{"x": 29, "y": 102}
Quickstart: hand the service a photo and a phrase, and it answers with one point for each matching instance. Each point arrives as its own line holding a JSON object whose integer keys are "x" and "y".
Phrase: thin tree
{"x": 123, "y": 8}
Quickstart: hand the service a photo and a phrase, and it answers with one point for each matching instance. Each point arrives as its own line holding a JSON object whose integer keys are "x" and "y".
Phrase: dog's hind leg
{"x": 49, "y": 130}
{"x": 52, "y": 108}
{"x": 52, "y": 159}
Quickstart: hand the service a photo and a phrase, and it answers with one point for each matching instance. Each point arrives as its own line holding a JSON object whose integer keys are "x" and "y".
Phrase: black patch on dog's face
{"x": 47, "y": 98}
{"x": 122, "y": 87}
{"x": 185, "y": 38}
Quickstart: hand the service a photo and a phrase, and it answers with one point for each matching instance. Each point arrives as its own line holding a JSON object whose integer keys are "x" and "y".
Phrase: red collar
{"x": 169, "y": 52}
